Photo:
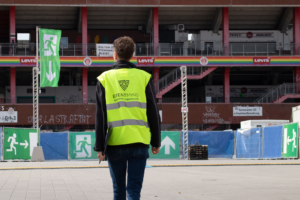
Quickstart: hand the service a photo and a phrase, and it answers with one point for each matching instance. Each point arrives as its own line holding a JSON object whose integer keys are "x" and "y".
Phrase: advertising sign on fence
{"x": 290, "y": 140}
{"x": 19, "y": 143}
{"x": 81, "y": 145}
{"x": 169, "y": 146}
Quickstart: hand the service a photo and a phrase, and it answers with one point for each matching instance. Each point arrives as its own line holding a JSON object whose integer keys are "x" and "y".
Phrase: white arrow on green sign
{"x": 51, "y": 75}
{"x": 169, "y": 146}
{"x": 24, "y": 144}
{"x": 49, "y": 52}
{"x": 167, "y": 143}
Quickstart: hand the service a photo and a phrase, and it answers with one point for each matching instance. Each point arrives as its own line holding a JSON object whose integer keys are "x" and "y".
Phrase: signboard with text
{"x": 247, "y": 111}
{"x": 9, "y": 116}
{"x": 105, "y": 50}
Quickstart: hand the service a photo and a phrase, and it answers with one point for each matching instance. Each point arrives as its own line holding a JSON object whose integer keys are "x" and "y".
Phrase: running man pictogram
{"x": 82, "y": 147}
{"x": 49, "y": 44}
{"x": 12, "y": 140}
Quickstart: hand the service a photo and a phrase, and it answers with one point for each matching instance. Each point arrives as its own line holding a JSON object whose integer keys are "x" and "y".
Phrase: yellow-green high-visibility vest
{"x": 126, "y": 105}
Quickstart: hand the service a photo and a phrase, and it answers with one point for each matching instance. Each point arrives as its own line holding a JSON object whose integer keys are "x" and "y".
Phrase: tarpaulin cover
{"x": 220, "y": 143}
{"x": 249, "y": 143}
{"x": 0, "y": 143}
{"x": 272, "y": 142}
{"x": 55, "y": 145}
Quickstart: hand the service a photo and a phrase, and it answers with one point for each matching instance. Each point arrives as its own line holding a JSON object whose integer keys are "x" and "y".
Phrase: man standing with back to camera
{"x": 126, "y": 103}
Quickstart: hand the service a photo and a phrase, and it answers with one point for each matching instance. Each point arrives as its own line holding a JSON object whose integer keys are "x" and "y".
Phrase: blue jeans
{"x": 118, "y": 159}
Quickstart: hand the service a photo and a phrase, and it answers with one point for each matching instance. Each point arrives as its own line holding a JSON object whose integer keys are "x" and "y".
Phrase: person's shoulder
{"x": 143, "y": 72}
{"x": 101, "y": 76}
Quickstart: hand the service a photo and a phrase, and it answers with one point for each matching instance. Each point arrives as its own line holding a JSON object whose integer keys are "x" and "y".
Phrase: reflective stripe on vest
{"x": 128, "y": 122}
{"x": 126, "y": 104}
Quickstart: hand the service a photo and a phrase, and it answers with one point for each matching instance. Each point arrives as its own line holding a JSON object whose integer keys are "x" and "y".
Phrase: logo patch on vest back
{"x": 124, "y": 84}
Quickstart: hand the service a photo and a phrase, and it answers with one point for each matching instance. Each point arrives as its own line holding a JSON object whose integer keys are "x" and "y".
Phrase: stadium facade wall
{"x": 84, "y": 114}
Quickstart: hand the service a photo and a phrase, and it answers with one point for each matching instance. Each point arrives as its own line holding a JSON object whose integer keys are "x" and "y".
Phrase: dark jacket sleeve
{"x": 153, "y": 115}
{"x": 101, "y": 118}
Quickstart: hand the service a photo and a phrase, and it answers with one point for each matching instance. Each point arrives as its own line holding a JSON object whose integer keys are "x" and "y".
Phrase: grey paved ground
{"x": 79, "y": 163}
{"x": 161, "y": 183}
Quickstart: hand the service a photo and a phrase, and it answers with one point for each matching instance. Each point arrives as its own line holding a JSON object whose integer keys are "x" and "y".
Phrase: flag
{"x": 49, "y": 57}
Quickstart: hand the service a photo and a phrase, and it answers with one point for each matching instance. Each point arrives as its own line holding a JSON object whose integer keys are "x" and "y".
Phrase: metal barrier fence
{"x": 256, "y": 143}
{"x": 267, "y": 143}
{"x": 164, "y": 49}
{"x": 220, "y": 143}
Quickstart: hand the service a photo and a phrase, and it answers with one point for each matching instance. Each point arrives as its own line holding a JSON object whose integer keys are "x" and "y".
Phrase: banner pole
{"x": 35, "y": 85}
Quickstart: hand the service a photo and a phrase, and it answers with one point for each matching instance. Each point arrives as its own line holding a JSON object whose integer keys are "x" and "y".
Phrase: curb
{"x": 149, "y": 166}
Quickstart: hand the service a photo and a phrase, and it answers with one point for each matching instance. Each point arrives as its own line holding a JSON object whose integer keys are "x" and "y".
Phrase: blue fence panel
{"x": 220, "y": 143}
{"x": 272, "y": 142}
{"x": 249, "y": 143}
{"x": 0, "y": 143}
{"x": 55, "y": 145}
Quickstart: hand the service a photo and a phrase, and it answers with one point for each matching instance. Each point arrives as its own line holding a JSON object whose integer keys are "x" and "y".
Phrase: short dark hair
{"x": 124, "y": 47}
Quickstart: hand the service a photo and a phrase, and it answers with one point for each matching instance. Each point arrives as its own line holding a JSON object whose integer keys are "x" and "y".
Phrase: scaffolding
{"x": 35, "y": 86}
{"x": 184, "y": 110}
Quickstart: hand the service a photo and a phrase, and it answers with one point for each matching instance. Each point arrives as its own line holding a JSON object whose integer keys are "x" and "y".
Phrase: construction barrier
{"x": 256, "y": 143}
{"x": 82, "y": 145}
{"x": 55, "y": 145}
{"x": 170, "y": 148}
{"x": 272, "y": 142}
{"x": 220, "y": 143}
{"x": 249, "y": 143}
{"x": 268, "y": 142}
{"x": 18, "y": 143}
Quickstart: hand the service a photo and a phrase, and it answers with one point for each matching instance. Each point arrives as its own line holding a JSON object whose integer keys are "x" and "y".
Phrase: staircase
{"x": 280, "y": 93}
{"x": 173, "y": 78}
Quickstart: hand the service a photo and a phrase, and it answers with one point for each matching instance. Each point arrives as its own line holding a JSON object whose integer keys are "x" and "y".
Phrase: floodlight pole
{"x": 184, "y": 110}
{"x": 35, "y": 86}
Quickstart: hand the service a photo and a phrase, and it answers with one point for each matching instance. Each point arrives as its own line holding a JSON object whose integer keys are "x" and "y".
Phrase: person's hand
{"x": 155, "y": 150}
{"x": 101, "y": 156}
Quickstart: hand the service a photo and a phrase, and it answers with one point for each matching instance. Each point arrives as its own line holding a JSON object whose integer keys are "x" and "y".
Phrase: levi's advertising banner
{"x": 29, "y": 61}
{"x": 261, "y": 60}
{"x": 161, "y": 61}
{"x": 145, "y": 60}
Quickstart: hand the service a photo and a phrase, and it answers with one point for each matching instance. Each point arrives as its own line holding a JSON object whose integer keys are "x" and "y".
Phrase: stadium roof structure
{"x": 102, "y": 16}
{"x": 154, "y": 3}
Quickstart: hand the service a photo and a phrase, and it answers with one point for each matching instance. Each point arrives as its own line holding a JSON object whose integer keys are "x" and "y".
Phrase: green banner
{"x": 19, "y": 143}
{"x": 81, "y": 145}
{"x": 290, "y": 140}
{"x": 169, "y": 146}
{"x": 49, "y": 52}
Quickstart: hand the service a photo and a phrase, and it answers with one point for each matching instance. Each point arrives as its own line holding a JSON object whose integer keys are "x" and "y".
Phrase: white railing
{"x": 174, "y": 75}
{"x": 164, "y": 49}
{"x": 279, "y": 91}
